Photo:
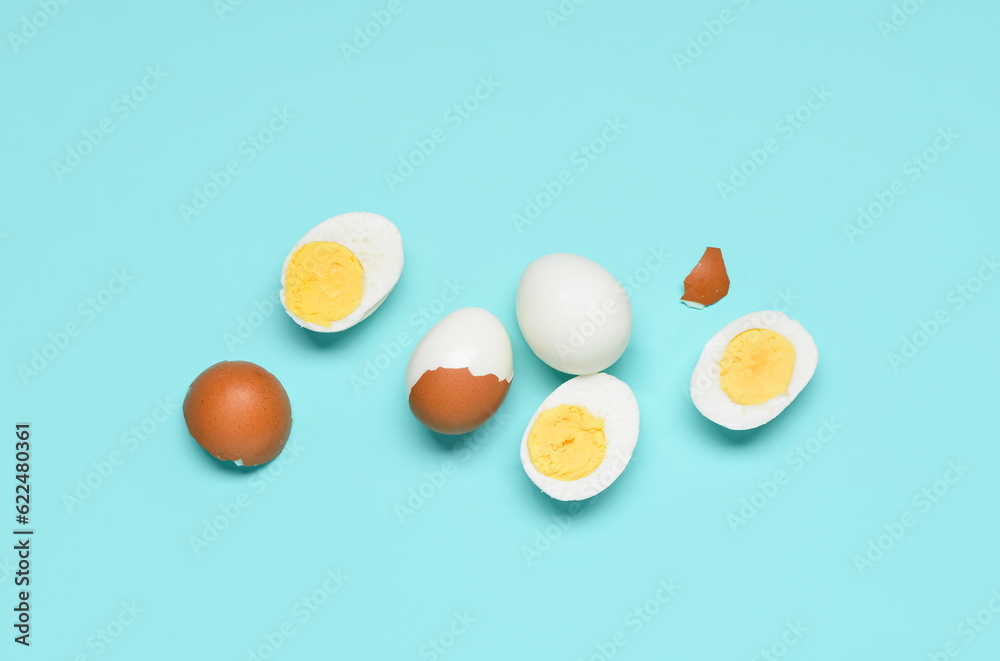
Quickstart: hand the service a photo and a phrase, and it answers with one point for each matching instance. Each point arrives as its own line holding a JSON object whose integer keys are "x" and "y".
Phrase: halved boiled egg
{"x": 752, "y": 369}
{"x": 581, "y": 437}
{"x": 341, "y": 271}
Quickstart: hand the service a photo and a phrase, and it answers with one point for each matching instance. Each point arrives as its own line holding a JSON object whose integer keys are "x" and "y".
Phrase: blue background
{"x": 541, "y": 579}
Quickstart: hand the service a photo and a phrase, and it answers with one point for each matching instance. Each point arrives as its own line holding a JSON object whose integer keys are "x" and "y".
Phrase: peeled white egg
{"x": 460, "y": 372}
{"x": 561, "y": 451}
{"x": 752, "y": 369}
{"x": 573, "y": 313}
{"x": 341, "y": 271}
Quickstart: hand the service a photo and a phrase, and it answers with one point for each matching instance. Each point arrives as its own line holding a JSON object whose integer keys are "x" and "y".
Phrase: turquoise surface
{"x": 159, "y": 162}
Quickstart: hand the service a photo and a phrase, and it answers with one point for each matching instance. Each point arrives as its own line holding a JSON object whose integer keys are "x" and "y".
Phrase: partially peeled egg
{"x": 460, "y": 372}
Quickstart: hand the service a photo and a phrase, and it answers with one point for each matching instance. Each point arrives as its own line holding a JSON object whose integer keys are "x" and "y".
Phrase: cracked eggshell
{"x": 377, "y": 244}
{"x": 460, "y": 372}
{"x": 706, "y": 389}
{"x": 607, "y": 398}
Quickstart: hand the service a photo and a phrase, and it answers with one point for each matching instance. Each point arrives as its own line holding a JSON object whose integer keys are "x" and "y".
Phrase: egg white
{"x": 377, "y": 244}
{"x": 706, "y": 387}
{"x": 575, "y": 316}
{"x": 607, "y": 398}
{"x": 470, "y": 338}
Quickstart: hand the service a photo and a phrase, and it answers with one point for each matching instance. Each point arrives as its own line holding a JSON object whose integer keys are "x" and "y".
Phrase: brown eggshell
{"x": 238, "y": 411}
{"x": 708, "y": 282}
{"x": 453, "y": 401}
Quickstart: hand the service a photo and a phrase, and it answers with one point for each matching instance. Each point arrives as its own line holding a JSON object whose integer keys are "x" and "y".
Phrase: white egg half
{"x": 573, "y": 313}
{"x": 460, "y": 372}
{"x": 707, "y": 391}
{"x": 610, "y": 400}
{"x": 376, "y": 244}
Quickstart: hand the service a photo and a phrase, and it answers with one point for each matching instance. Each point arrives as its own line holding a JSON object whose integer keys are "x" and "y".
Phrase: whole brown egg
{"x": 239, "y": 412}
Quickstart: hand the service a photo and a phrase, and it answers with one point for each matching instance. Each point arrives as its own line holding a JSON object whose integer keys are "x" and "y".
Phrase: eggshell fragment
{"x": 460, "y": 372}
{"x": 708, "y": 281}
{"x": 238, "y": 412}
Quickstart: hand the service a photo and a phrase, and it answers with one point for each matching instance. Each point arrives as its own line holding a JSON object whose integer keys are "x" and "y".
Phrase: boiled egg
{"x": 573, "y": 313}
{"x": 752, "y": 369}
{"x": 460, "y": 372}
{"x": 581, "y": 438}
{"x": 341, "y": 271}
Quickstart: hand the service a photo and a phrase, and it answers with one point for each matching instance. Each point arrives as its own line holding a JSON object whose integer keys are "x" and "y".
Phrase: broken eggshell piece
{"x": 708, "y": 281}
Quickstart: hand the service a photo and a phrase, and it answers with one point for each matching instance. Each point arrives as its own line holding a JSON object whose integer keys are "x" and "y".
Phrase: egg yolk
{"x": 757, "y": 366}
{"x": 567, "y": 442}
{"x": 324, "y": 282}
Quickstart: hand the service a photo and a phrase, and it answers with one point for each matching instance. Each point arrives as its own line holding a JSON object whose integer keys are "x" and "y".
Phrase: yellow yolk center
{"x": 757, "y": 366}
{"x": 567, "y": 442}
{"x": 324, "y": 282}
